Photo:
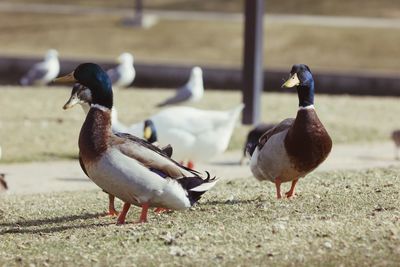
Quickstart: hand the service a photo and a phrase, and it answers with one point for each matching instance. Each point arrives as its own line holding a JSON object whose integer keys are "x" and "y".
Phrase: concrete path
{"x": 43, "y": 177}
{"x": 312, "y": 20}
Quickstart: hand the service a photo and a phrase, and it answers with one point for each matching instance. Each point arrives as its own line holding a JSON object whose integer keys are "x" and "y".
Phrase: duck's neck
{"x": 306, "y": 95}
{"x": 95, "y": 132}
{"x": 306, "y": 114}
{"x": 195, "y": 82}
{"x": 85, "y": 107}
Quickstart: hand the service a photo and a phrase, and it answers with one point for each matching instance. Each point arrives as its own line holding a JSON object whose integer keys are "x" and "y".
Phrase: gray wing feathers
{"x": 182, "y": 95}
{"x": 282, "y": 126}
{"x": 37, "y": 72}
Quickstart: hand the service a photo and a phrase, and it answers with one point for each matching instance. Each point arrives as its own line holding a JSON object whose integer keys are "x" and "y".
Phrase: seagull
{"x": 43, "y": 72}
{"x": 192, "y": 91}
{"x": 124, "y": 74}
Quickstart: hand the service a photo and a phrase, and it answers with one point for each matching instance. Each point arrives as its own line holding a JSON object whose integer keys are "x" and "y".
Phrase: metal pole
{"x": 253, "y": 61}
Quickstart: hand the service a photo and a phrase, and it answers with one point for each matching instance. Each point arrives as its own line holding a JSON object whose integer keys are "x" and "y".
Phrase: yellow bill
{"x": 69, "y": 78}
{"x": 147, "y": 133}
{"x": 292, "y": 81}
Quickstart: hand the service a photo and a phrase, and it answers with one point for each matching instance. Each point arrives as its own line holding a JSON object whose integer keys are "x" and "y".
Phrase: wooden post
{"x": 253, "y": 77}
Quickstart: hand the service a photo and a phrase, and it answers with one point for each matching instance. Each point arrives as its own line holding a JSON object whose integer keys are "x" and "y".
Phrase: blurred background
{"x": 352, "y": 47}
{"x": 338, "y": 35}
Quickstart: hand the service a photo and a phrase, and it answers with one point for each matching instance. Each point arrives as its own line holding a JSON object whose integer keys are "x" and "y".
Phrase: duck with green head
{"x": 126, "y": 166}
{"x": 294, "y": 147}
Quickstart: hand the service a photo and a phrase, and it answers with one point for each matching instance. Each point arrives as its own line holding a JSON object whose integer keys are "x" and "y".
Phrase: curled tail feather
{"x": 197, "y": 186}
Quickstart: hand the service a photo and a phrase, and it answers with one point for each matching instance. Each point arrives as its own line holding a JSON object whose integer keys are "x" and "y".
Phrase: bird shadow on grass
{"x": 231, "y": 202}
{"x": 21, "y": 226}
{"x": 49, "y": 230}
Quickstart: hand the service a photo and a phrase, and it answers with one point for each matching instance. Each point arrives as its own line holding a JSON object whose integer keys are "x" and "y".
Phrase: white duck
{"x": 192, "y": 91}
{"x": 195, "y": 134}
{"x": 43, "y": 72}
{"x": 124, "y": 74}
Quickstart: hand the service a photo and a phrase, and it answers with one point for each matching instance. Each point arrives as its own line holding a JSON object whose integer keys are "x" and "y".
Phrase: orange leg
{"x": 111, "y": 207}
{"x": 278, "y": 187}
{"x": 143, "y": 215}
{"x": 190, "y": 164}
{"x": 122, "y": 215}
{"x": 159, "y": 210}
{"x": 290, "y": 193}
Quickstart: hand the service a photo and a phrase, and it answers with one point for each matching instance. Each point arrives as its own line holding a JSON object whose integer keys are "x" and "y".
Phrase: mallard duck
{"x": 192, "y": 91}
{"x": 81, "y": 94}
{"x": 126, "y": 166}
{"x": 195, "y": 134}
{"x": 252, "y": 139}
{"x": 124, "y": 74}
{"x": 43, "y": 72}
{"x": 294, "y": 147}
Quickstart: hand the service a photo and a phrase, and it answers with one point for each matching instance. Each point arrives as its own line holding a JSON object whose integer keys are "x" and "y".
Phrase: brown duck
{"x": 294, "y": 147}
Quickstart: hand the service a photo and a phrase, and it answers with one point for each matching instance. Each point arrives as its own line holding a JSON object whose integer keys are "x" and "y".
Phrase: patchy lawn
{"x": 338, "y": 218}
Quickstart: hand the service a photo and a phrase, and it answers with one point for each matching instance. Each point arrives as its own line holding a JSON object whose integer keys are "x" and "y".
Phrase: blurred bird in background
{"x": 43, "y": 72}
{"x": 192, "y": 91}
{"x": 124, "y": 74}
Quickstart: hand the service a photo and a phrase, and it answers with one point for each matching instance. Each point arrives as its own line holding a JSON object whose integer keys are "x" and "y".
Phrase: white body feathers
{"x": 124, "y": 74}
{"x": 194, "y": 134}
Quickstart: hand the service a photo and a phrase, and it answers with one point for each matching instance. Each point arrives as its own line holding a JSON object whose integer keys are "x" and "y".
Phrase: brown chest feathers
{"x": 307, "y": 142}
{"x": 94, "y": 135}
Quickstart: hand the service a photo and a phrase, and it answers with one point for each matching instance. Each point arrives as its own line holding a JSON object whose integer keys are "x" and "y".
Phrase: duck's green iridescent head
{"x": 96, "y": 79}
{"x": 301, "y": 78}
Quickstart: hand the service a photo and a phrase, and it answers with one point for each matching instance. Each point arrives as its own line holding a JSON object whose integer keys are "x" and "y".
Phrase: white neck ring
{"x": 306, "y": 107}
{"x": 102, "y": 108}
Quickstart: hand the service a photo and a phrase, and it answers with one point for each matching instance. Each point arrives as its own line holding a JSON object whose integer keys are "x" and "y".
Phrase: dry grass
{"x": 373, "y": 8}
{"x": 338, "y": 219}
{"x": 34, "y": 127}
{"x": 194, "y": 42}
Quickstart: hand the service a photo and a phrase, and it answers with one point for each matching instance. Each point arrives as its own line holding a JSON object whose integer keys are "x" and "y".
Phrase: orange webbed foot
{"x": 290, "y": 193}
{"x": 161, "y": 210}
{"x": 112, "y": 213}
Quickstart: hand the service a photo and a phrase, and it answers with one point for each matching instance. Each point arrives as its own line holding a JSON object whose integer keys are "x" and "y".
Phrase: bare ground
{"x": 46, "y": 177}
